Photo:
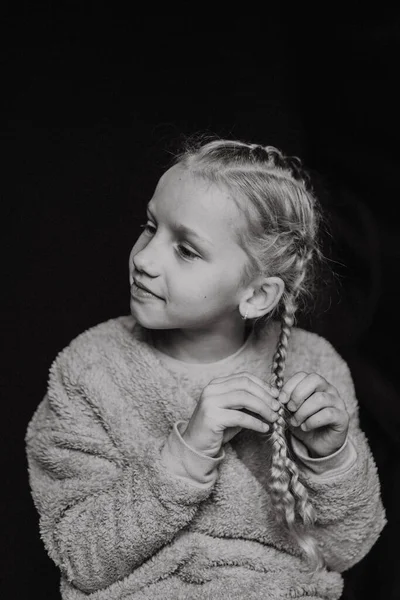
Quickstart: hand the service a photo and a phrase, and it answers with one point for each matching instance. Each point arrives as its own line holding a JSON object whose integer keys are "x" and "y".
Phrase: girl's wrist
{"x": 313, "y": 454}
{"x": 320, "y": 449}
{"x": 339, "y": 461}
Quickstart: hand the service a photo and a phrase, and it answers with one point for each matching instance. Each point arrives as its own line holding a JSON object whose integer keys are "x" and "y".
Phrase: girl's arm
{"x": 100, "y": 515}
{"x": 344, "y": 488}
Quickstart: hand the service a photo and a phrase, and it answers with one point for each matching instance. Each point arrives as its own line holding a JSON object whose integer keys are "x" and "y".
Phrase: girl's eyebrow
{"x": 183, "y": 229}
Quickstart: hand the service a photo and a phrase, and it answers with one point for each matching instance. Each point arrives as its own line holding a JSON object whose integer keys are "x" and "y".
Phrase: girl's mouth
{"x": 138, "y": 292}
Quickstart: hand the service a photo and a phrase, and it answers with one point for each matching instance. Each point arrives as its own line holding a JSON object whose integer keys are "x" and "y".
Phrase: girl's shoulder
{"x": 107, "y": 330}
{"x": 95, "y": 342}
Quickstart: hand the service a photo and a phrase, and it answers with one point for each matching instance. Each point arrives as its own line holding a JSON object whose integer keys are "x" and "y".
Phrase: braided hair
{"x": 280, "y": 238}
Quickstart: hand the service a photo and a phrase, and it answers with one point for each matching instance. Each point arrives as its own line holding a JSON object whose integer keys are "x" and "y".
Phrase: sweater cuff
{"x": 186, "y": 463}
{"x": 330, "y": 466}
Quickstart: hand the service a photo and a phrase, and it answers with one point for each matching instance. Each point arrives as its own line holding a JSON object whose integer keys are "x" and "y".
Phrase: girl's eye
{"x": 185, "y": 252}
{"x": 146, "y": 226}
{"x": 182, "y": 250}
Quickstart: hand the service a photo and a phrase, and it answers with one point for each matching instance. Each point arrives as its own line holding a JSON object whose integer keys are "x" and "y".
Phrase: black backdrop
{"x": 92, "y": 104}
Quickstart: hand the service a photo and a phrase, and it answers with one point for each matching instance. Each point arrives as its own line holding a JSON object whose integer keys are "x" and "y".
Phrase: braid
{"x": 293, "y": 164}
{"x": 274, "y": 192}
{"x": 289, "y": 496}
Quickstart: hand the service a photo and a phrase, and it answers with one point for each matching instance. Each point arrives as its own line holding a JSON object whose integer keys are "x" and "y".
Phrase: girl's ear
{"x": 273, "y": 288}
{"x": 265, "y": 296}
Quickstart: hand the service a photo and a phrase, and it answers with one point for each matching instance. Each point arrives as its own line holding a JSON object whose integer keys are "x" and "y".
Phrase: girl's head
{"x": 258, "y": 225}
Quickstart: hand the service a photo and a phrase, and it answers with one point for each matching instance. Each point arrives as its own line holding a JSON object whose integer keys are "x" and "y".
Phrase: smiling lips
{"x": 141, "y": 291}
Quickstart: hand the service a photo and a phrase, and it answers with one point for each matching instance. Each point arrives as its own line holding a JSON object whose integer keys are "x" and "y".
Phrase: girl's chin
{"x": 146, "y": 317}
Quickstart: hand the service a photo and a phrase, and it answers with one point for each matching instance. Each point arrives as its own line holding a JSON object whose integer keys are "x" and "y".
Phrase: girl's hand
{"x": 226, "y": 406}
{"x": 318, "y": 416}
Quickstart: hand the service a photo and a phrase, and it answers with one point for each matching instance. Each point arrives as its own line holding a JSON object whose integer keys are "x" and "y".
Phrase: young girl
{"x": 203, "y": 446}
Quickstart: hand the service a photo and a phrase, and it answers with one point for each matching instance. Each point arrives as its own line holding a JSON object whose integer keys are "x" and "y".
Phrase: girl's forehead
{"x": 196, "y": 202}
{"x": 180, "y": 184}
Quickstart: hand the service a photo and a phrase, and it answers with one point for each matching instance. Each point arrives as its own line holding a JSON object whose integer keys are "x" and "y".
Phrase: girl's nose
{"x": 141, "y": 263}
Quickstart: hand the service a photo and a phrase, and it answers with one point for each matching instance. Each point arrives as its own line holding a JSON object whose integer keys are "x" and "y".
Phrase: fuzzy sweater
{"x": 129, "y": 511}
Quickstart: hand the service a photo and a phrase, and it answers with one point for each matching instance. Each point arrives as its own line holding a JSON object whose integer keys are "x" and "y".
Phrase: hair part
{"x": 279, "y": 233}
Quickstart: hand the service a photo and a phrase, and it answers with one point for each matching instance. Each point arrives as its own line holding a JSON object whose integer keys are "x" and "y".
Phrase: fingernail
{"x": 273, "y": 391}
{"x": 283, "y": 397}
{"x": 276, "y": 405}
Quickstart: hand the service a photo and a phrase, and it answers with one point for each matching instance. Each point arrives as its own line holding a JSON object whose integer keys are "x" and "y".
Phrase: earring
{"x": 245, "y": 316}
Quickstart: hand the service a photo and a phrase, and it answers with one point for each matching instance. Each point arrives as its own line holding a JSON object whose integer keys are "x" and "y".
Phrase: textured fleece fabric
{"x": 129, "y": 511}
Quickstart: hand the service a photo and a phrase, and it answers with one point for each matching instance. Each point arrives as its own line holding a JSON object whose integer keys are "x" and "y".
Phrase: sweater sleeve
{"x": 102, "y": 515}
{"x": 187, "y": 463}
{"x": 343, "y": 488}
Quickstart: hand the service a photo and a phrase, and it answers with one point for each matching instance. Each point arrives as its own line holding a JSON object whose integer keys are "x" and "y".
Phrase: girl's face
{"x": 196, "y": 275}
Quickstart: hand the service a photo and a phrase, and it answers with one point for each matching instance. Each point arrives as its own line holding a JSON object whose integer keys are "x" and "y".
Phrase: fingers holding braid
{"x": 316, "y": 413}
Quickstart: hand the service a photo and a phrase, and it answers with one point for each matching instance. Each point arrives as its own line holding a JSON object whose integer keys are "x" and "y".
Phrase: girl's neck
{"x": 199, "y": 346}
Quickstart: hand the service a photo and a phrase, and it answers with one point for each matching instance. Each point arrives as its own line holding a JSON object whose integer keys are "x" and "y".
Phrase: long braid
{"x": 289, "y": 496}
{"x": 280, "y": 477}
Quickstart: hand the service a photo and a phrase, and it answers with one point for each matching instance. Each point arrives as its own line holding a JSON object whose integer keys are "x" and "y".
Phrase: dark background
{"x": 93, "y": 102}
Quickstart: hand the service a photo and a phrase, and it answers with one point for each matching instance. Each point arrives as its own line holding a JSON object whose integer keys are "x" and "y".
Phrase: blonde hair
{"x": 280, "y": 238}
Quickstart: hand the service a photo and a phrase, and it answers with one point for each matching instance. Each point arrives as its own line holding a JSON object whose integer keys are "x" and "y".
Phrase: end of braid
{"x": 290, "y": 497}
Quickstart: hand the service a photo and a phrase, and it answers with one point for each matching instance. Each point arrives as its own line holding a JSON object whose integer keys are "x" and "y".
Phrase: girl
{"x": 203, "y": 446}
